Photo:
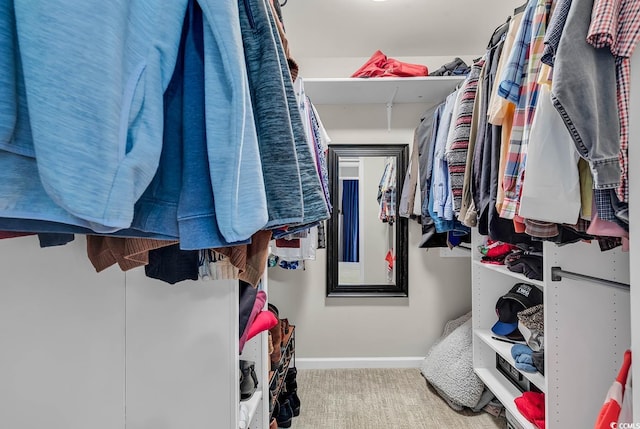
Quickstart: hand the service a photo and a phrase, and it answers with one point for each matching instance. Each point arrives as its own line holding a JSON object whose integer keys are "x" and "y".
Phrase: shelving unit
{"x": 502, "y": 269}
{"x": 587, "y": 330}
{"x": 256, "y": 350}
{"x": 380, "y": 90}
{"x": 504, "y": 350}
{"x": 505, "y": 392}
{"x": 386, "y": 91}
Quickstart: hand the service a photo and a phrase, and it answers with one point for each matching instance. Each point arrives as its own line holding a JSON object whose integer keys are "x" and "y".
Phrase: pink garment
{"x": 604, "y": 228}
{"x": 264, "y": 321}
{"x": 258, "y": 305}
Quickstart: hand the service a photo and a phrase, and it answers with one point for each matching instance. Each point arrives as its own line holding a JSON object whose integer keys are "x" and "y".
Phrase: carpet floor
{"x": 378, "y": 399}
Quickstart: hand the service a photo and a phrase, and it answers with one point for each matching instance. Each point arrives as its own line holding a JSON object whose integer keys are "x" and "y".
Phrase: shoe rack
{"x": 278, "y": 374}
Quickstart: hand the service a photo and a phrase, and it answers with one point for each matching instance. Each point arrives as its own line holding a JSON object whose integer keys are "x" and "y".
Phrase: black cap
{"x": 520, "y": 297}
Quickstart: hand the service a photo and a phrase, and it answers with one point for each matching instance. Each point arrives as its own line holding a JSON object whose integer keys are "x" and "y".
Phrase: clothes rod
{"x": 557, "y": 273}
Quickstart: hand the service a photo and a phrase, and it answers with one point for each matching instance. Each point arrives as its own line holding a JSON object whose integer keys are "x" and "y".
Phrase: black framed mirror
{"x": 367, "y": 243}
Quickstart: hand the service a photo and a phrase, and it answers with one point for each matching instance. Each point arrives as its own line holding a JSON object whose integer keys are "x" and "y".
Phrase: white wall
{"x": 439, "y": 288}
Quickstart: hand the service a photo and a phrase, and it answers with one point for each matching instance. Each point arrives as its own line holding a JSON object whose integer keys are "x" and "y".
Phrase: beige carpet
{"x": 378, "y": 399}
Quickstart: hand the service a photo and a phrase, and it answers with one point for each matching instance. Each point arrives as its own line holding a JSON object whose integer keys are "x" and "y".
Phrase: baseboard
{"x": 364, "y": 362}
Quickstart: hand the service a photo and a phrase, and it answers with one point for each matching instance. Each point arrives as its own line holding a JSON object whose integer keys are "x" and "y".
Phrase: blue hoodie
{"x": 232, "y": 143}
{"x": 95, "y": 73}
{"x": 97, "y": 126}
{"x": 9, "y": 75}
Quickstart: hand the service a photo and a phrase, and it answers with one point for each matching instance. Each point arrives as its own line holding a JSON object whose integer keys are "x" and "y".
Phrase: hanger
{"x": 283, "y": 3}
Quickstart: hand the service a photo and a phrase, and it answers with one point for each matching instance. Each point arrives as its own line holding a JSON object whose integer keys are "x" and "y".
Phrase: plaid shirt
{"x": 616, "y": 24}
{"x": 554, "y": 31}
{"x": 533, "y": 46}
{"x": 511, "y": 78}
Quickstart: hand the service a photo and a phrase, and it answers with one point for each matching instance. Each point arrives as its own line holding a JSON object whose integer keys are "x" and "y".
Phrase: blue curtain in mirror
{"x": 350, "y": 216}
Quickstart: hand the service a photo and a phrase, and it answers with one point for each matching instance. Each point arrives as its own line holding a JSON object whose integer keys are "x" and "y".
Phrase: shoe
{"x": 271, "y": 401}
{"x": 285, "y": 416}
{"x": 248, "y": 379}
{"x": 276, "y": 410}
{"x": 276, "y": 337}
{"x": 294, "y": 402}
{"x": 290, "y": 380}
{"x": 285, "y": 326}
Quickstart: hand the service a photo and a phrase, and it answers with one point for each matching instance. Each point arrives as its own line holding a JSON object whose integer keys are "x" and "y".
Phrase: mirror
{"x": 367, "y": 244}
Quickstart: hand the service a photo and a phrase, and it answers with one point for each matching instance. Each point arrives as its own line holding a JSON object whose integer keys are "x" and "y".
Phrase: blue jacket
{"x": 95, "y": 73}
{"x": 232, "y": 144}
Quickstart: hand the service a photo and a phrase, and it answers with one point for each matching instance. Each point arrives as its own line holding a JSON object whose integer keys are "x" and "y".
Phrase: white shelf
{"x": 504, "y": 270}
{"x": 505, "y": 392}
{"x": 380, "y": 90}
{"x": 253, "y": 404}
{"x": 504, "y": 350}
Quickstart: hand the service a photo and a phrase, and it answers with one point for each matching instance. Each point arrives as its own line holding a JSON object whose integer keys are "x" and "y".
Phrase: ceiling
{"x": 399, "y": 28}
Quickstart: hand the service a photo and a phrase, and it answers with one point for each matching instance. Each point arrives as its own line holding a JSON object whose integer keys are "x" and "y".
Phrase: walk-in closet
{"x": 307, "y": 214}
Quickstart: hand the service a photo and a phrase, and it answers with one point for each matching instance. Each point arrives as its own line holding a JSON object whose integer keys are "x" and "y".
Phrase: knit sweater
{"x": 457, "y": 154}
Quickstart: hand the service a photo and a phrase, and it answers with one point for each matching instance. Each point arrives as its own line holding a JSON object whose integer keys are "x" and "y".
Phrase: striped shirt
{"x": 457, "y": 154}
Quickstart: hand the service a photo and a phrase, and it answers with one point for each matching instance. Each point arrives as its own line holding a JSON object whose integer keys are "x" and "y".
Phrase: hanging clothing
{"x": 551, "y": 189}
{"x": 270, "y": 108}
{"x": 316, "y": 135}
{"x": 409, "y": 189}
{"x": 305, "y": 248}
{"x": 314, "y": 205}
{"x": 615, "y": 24}
{"x": 441, "y": 194}
{"x": 128, "y": 253}
{"x": 596, "y": 136}
{"x": 554, "y": 31}
{"x": 456, "y": 154}
{"x": 530, "y": 41}
{"x": 97, "y": 165}
{"x": 387, "y": 193}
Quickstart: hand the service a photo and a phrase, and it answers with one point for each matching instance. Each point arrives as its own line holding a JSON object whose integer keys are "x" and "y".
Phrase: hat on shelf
{"x": 520, "y": 297}
{"x": 531, "y": 325}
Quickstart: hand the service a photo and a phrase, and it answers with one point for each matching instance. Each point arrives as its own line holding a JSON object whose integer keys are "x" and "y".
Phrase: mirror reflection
{"x": 366, "y": 241}
{"x": 366, "y": 233}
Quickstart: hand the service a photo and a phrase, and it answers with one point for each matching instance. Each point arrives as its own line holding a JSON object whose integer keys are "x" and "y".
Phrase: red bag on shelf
{"x": 379, "y": 65}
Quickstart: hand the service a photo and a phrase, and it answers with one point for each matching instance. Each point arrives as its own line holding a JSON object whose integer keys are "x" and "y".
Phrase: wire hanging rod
{"x": 557, "y": 273}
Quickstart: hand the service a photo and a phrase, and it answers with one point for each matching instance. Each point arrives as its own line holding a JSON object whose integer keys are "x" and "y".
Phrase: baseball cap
{"x": 520, "y": 297}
